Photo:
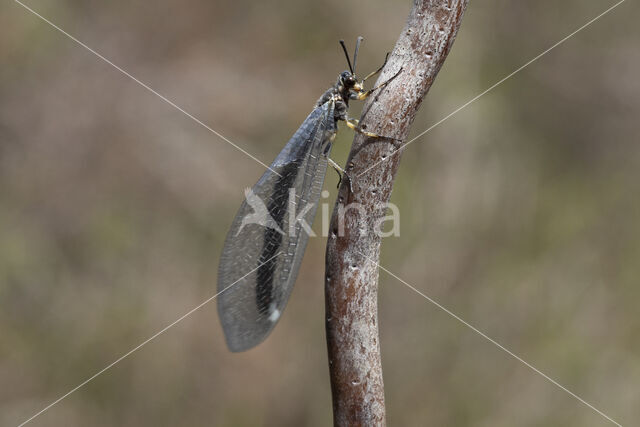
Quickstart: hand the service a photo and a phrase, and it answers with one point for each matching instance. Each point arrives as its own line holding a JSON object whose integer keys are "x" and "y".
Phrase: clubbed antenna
{"x": 355, "y": 55}
{"x": 346, "y": 54}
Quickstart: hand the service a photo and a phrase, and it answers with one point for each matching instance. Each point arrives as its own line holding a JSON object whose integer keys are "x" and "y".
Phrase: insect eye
{"x": 348, "y": 80}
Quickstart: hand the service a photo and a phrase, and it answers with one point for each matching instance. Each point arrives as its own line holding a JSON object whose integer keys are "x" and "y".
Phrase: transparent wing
{"x": 265, "y": 245}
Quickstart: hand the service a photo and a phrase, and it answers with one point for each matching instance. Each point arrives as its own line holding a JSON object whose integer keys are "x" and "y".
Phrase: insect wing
{"x": 265, "y": 245}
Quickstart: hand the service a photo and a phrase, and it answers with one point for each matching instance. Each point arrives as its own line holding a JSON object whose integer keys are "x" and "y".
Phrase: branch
{"x": 351, "y": 281}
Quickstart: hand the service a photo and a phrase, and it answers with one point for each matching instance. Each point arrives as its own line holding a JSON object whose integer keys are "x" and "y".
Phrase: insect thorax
{"x": 335, "y": 94}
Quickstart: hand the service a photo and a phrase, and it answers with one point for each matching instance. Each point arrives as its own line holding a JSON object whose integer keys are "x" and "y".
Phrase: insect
{"x": 265, "y": 245}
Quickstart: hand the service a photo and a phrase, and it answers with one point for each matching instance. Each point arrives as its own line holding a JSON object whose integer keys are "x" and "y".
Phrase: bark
{"x": 353, "y": 247}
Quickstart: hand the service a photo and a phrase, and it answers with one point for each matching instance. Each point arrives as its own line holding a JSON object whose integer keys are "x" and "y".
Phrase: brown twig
{"x": 353, "y": 248}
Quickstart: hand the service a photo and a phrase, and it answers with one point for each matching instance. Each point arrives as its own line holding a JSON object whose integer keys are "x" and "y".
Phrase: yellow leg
{"x": 364, "y": 95}
{"x": 376, "y": 71}
{"x": 355, "y": 127}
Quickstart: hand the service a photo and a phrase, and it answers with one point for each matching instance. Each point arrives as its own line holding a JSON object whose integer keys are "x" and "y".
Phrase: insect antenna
{"x": 355, "y": 54}
{"x": 346, "y": 54}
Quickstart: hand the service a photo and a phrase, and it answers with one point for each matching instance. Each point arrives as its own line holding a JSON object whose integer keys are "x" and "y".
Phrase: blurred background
{"x": 521, "y": 213}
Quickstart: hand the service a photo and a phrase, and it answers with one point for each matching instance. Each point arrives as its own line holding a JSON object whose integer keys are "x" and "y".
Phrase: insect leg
{"x": 358, "y": 129}
{"x": 353, "y": 124}
{"x": 341, "y": 173}
{"x": 364, "y": 95}
{"x": 376, "y": 71}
